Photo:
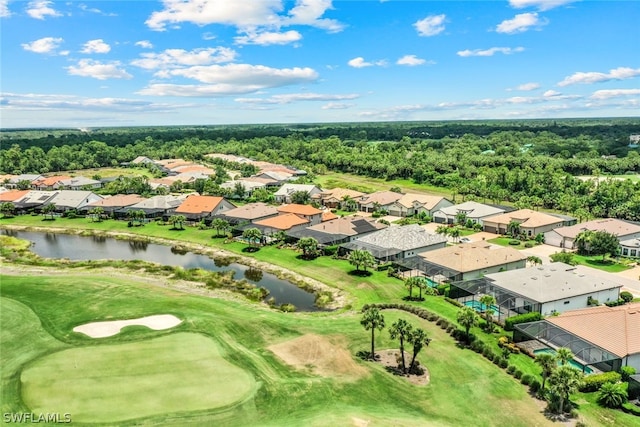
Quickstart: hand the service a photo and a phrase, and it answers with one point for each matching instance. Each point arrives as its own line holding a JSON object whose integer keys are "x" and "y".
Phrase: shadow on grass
{"x": 360, "y": 273}
{"x": 408, "y": 298}
{"x": 250, "y": 249}
{"x": 306, "y": 257}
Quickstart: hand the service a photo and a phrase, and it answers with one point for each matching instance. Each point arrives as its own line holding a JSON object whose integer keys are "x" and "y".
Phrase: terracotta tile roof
{"x": 251, "y": 211}
{"x": 382, "y": 197}
{"x": 527, "y": 218}
{"x": 195, "y": 168}
{"x": 429, "y": 202}
{"x": 610, "y": 225}
{"x": 282, "y": 222}
{"x": 616, "y": 329}
{"x": 13, "y": 195}
{"x": 195, "y": 204}
{"x": 339, "y": 193}
{"x": 328, "y": 216}
{"x": 51, "y": 180}
{"x": 472, "y": 257}
{"x": 118, "y": 200}
{"x": 306, "y": 210}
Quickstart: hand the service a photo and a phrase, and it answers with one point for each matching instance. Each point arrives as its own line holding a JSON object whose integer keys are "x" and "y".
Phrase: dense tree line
{"x": 533, "y": 166}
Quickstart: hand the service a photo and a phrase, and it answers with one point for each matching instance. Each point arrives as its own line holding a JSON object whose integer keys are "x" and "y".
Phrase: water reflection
{"x": 253, "y": 274}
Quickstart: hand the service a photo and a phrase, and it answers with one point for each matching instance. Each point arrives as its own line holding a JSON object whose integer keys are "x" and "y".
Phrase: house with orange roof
{"x": 379, "y": 200}
{"x": 312, "y": 215}
{"x": 335, "y": 197}
{"x": 531, "y": 222}
{"x": 606, "y": 338}
{"x": 196, "y": 208}
{"x": 251, "y": 212}
{"x": 49, "y": 183}
{"x": 282, "y": 222}
{"x": 12, "y": 195}
{"x": 414, "y": 204}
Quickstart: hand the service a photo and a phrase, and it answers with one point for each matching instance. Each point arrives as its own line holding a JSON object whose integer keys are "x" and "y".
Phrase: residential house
{"x": 282, "y": 222}
{"x": 141, "y": 160}
{"x": 34, "y": 200}
{"x": 630, "y": 248}
{"x": 414, "y": 204}
{"x": 396, "y": 243}
{"x": 473, "y": 211}
{"x": 196, "y": 208}
{"x": 531, "y": 223}
{"x": 564, "y": 237}
{"x": 66, "y": 200}
{"x": 156, "y": 206}
{"x": 334, "y": 198}
{"x": 339, "y": 230}
{"x": 307, "y": 212}
{"x": 249, "y": 186}
{"x": 249, "y": 213}
{"x": 49, "y": 182}
{"x": 607, "y": 338}
{"x": 12, "y": 195}
{"x": 279, "y": 177}
{"x": 284, "y": 193}
{"x": 111, "y": 204}
{"x": 380, "y": 200}
{"x": 78, "y": 183}
{"x": 15, "y": 180}
{"x": 471, "y": 261}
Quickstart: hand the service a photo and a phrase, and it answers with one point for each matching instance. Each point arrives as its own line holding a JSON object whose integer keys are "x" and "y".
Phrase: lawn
{"x": 286, "y": 396}
{"x": 595, "y": 261}
{"x": 504, "y": 241}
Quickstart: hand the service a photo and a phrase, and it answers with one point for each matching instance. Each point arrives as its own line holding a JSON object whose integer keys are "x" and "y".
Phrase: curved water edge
{"x": 193, "y": 255}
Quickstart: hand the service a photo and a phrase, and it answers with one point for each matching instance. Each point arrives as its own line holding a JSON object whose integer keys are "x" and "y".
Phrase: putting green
{"x": 106, "y": 383}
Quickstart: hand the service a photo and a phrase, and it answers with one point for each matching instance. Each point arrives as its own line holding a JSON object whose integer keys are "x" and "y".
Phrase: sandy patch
{"x": 319, "y": 355}
{"x": 388, "y": 359}
{"x": 110, "y": 328}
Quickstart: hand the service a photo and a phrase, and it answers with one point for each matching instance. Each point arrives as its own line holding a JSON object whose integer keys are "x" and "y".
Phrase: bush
{"x": 593, "y": 382}
{"x": 630, "y": 408}
{"x": 528, "y": 245}
{"x": 626, "y": 296}
{"x": 526, "y": 379}
{"x": 626, "y": 372}
{"x": 612, "y": 395}
{"x": 615, "y": 303}
{"x": 517, "y": 374}
{"x": 442, "y": 289}
{"x": 504, "y": 363}
{"x": 330, "y": 250}
{"x": 521, "y": 318}
{"x": 453, "y": 301}
{"x": 534, "y": 386}
{"x": 514, "y": 242}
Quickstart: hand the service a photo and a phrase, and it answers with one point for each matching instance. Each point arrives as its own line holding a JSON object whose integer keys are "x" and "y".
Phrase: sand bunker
{"x": 320, "y": 355}
{"x": 110, "y": 328}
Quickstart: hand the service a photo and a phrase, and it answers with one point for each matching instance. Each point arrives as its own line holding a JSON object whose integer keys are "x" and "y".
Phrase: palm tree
{"x": 455, "y": 233}
{"x": 363, "y": 258}
{"x": 417, "y": 337}
{"x": 467, "y": 318}
{"x": 252, "y": 235}
{"x": 612, "y": 395}
{"x": 308, "y": 246}
{"x": 534, "y": 260}
{"x": 49, "y": 210}
{"x": 401, "y": 330}
{"x": 488, "y": 302}
{"x": 513, "y": 228}
{"x": 177, "y": 221}
{"x": 564, "y": 355}
{"x": 219, "y": 224}
{"x": 547, "y": 362}
{"x": 411, "y": 282}
{"x": 96, "y": 214}
{"x": 7, "y": 209}
{"x": 372, "y": 319}
{"x": 564, "y": 380}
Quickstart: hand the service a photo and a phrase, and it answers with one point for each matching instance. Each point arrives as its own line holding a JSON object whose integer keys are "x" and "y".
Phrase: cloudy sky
{"x": 174, "y": 62}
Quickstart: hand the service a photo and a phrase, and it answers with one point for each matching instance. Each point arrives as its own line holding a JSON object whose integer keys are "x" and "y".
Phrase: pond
{"x": 77, "y": 248}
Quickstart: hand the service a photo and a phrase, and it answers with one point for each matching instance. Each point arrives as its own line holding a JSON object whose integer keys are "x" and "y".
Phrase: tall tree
{"x": 564, "y": 355}
{"x": 253, "y": 236}
{"x": 359, "y": 257}
{"x": 563, "y": 381}
{"x": 308, "y": 246}
{"x": 488, "y": 302}
{"x": 467, "y": 318}
{"x": 177, "y": 221}
{"x": 401, "y": 329}
{"x": 7, "y": 209}
{"x": 419, "y": 339}
{"x": 49, "y": 209}
{"x": 372, "y": 319}
{"x": 300, "y": 197}
{"x": 548, "y": 363}
{"x": 219, "y": 224}
{"x": 96, "y": 214}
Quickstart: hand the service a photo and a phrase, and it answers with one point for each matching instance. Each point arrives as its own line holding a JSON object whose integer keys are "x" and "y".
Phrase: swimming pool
{"x": 479, "y": 307}
{"x": 577, "y": 365}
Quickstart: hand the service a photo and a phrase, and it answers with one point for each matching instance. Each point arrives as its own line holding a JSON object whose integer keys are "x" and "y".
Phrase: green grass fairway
{"x": 107, "y": 383}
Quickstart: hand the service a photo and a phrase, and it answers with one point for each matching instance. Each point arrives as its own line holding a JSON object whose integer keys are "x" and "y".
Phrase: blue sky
{"x": 201, "y": 62}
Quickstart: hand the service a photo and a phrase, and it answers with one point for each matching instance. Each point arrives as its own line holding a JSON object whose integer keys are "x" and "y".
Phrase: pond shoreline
{"x": 339, "y": 299}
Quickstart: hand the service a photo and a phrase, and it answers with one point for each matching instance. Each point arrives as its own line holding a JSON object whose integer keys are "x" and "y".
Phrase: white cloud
{"x": 297, "y": 97}
{"x": 528, "y": 86}
{"x": 620, "y": 73}
{"x": 86, "y": 8}
{"x": 96, "y": 46}
{"x": 172, "y": 58}
{"x": 431, "y": 25}
{"x": 410, "y": 60}
{"x": 614, "y": 93}
{"x": 359, "y": 62}
{"x": 197, "y": 90}
{"x": 43, "y": 45}
{"x": 551, "y": 93}
{"x": 246, "y": 15}
{"x": 520, "y": 23}
{"x": 98, "y": 70}
{"x": 539, "y": 4}
{"x": 145, "y": 44}
{"x": 268, "y": 38}
{"x": 39, "y": 9}
{"x": 4, "y": 9}
{"x": 490, "y": 52}
{"x": 336, "y": 106}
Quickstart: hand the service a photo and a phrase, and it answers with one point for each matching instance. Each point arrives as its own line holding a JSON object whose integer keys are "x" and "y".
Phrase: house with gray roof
{"x": 630, "y": 248}
{"x": 78, "y": 183}
{"x": 250, "y": 212}
{"x": 71, "y": 199}
{"x": 564, "y": 237}
{"x": 339, "y": 230}
{"x": 474, "y": 211}
{"x": 34, "y": 200}
{"x": 397, "y": 242}
{"x": 284, "y": 193}
{"x": 157, "y": 206}
{"x": 383, "y": 200}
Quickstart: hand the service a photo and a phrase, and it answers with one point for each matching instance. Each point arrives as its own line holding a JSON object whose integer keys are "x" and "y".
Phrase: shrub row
{"x": 630, "y": 408}
{"x": 454, "y": 302}
{"x": 593, "y": 382}
{"x": 615, "y": 303}
{"x": 521, "y": 318}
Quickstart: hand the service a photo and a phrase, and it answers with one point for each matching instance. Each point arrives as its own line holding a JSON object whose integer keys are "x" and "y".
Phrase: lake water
{"x": 76, "y": 248}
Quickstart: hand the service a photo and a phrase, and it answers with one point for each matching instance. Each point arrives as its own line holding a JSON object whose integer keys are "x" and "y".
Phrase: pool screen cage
{"x": 554, "y": 336}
